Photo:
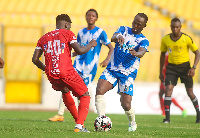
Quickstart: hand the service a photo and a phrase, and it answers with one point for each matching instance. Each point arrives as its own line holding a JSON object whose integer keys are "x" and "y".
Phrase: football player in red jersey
{"x": 57, "y": 46}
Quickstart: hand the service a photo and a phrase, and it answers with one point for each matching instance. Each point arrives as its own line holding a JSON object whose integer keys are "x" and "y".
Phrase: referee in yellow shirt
{"x": 177, "y": 44}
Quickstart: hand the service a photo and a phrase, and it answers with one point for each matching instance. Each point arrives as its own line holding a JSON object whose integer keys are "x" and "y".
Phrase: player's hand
{"x": 133, "y": 52}
{"x": 161, "y": 77}
{"x": 93, "y": 43}
{"x": 120, "y": 40}
{"x": 74, "y": 54}
{"x": 1, "y": 63}
{"x": 191, "y": 72}
{"x": 104, "y": 63}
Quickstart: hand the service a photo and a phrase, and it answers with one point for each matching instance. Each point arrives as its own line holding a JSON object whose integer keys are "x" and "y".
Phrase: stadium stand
{"x": 24, "y": 21}
{"x": 188, "y": 11}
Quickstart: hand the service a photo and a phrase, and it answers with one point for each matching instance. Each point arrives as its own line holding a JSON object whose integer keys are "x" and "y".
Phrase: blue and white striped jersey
{"x": 121, "y": 60}
{"x": 88, "y": 62}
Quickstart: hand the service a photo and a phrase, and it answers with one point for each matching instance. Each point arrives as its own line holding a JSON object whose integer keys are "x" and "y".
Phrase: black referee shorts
{"x": 173, "y": 72}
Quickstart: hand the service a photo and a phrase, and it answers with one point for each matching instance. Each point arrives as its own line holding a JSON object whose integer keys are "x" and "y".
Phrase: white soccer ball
{"x": 102, "y": 124}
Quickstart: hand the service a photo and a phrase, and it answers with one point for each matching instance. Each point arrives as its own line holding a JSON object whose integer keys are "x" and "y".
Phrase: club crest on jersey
{"x": 62, "y": 47}
{"x": 94, "y": 37}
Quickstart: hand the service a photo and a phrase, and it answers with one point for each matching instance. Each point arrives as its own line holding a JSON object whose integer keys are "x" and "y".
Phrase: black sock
{"x": 167, "y": 103}
{"x": 196, "y": 106}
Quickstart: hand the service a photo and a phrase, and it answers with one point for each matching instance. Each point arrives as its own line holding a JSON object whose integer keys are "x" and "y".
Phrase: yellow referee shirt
{"x": 178, "y": 50}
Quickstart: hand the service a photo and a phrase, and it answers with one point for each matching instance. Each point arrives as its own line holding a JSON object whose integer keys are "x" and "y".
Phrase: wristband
{"x": 194, "y": 67}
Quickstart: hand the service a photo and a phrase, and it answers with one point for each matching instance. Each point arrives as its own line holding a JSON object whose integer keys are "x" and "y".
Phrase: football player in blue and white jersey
{"x": 86, "y": 64}
{"x": 131, "y": 45}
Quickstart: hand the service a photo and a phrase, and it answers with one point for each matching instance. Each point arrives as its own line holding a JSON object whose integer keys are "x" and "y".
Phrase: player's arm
{"x": 117, "y": 37}
{"x": 191, "y": 72}
{"x": 35, "y": 59}
{"x": 1, "y": 63}
{"x": 74, "y": 54}
{"x": 138, "y": 54}
{"x": 83, "y": 49}
{"x": 105, "y": 62}
{"x": 162, "y": 62}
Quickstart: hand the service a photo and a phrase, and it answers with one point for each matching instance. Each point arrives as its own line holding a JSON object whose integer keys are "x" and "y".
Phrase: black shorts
{"x": 173, "y": 72}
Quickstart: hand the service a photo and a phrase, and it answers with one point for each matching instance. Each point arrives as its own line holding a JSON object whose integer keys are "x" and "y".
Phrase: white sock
{"x": 79, "y": 126}
{"x": 61, "y": 107}
{"x": 131, "y": 116}
{"x": 100, "y": 103}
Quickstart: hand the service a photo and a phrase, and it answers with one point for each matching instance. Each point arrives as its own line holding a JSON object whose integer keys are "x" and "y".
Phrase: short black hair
{"x": 175, "y": 20}
{"x": 93, "y": 11}
{"x": 62, "y": 17}
{"x": 143, "y": 15}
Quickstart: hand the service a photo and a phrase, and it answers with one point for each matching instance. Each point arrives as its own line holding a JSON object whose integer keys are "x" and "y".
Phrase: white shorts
{"x": 125, "y": 83}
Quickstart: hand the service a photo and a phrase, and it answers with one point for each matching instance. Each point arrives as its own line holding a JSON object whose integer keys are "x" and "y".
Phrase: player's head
{"x": 175, "y": 26}
{"x": 63, "y": 21}
{"x": 139, "y": 23}
{"x": 91, "y": 16}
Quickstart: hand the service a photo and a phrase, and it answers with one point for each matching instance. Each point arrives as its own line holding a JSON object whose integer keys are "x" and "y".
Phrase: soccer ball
{"x": 102, "y": 124}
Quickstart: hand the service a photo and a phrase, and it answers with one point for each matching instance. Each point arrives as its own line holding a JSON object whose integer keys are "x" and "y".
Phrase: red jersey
{"x": 57, "y": 52}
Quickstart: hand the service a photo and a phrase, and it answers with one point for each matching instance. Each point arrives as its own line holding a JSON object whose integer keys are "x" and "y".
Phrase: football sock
{"x": 100, "y": 103}
{"x": 70, "y": 104}
{"x": 79, "y": 126}
{"x": 131, "y": 116}
{"x": 176, "y": 103}
{"x": 162, "y": 106}
{"x": 196, "y": 106}
{"x": 167, "y": 103}
{"x": 61, "y": 107}
{"x": 83, "y": 109}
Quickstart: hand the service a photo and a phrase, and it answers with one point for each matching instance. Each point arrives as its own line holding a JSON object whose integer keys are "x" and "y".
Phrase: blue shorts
{"x": 125, "y": 83}
{"x": 87, "y": 78}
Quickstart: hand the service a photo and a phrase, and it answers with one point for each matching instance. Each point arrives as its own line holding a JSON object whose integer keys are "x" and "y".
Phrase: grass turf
{"x": 35, "y": 124}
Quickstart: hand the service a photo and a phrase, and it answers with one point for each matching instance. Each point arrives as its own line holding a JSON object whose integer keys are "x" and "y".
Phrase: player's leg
{"x": 61, "y": 108}
{"x": 83, "y": 109}
{"x": 100, "y": 102}
{"x": 125, "y": 89}
{"x": 177, "y": 104}
{"x": 69, "y": 102}
{"x": 170, "y": 81}
{"x": 184, "y": 111}
{"x": 105, "y": 83}
{"x": 195, "y": 103}
{"x": 60, "y": 85}
{"x": 129, "y": 111}
{"x": 167, "y": 102}
{"x": 161, "y": 93}
{"x": 188, "y": 81}
{"x": 88, "y": 79}
{"x": 80, "y": 90}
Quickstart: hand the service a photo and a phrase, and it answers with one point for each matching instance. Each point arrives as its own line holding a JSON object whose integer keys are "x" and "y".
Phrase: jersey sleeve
{"x": 193, "y": 47}
{"x": 120, "y": 30}
{"x": 72, "y": 38}
{"x": 163, "y": 47}
{"x": 104, "y": 38}
{"x": 145, "y": 43}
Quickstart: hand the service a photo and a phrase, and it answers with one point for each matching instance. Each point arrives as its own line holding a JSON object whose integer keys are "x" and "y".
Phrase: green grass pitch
{"x": 35, "y": 124}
